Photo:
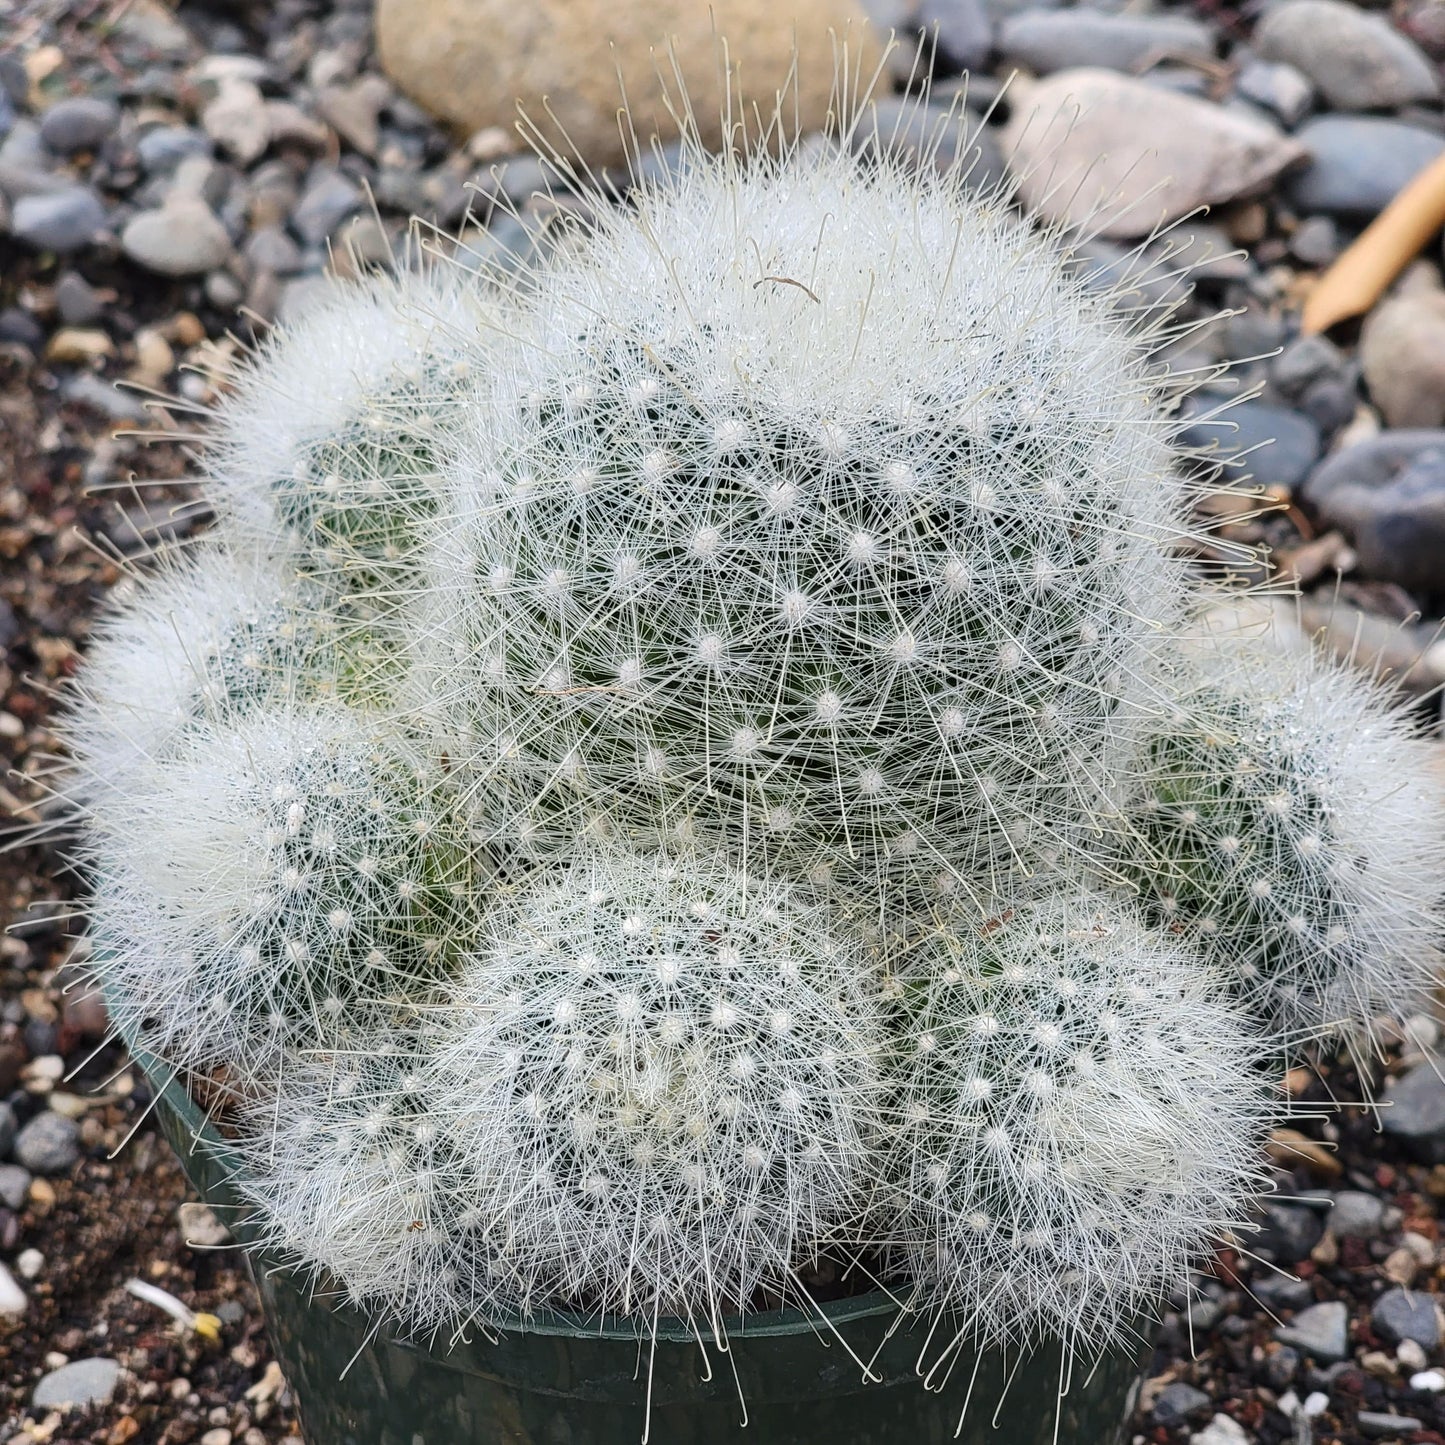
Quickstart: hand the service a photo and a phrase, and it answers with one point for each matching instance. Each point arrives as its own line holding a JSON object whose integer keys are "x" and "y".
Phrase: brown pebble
{"x": 78, "y": 346}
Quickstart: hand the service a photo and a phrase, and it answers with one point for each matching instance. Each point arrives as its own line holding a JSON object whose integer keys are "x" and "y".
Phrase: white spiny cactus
{"x": 1075, "y": 1118}
{"x": 1289, "y": 818}
{"x": 660, "y": 1084}
{"x": 812, "y": 504}
{"x": 277, "y": 878}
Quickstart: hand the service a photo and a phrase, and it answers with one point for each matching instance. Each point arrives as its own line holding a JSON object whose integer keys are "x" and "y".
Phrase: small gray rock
{"x": 1222, "y": 1430}
{"x": 1277, "y": 87}
{"x": 965, "y": 31}
{"x": 12, "y": 1298}
{"x": 1402, "y": 1314}
{"x": 1358, "y": 59}
{"x": 1203, "y": 1314}
{"x": 952, "y": 137}
{"x": 48, "y": 1144}
{"x": 1356, "y": 1215}
{"x": 1272, "y": 445}
{"x": 328, "y": 200}
{"x": 1048, "y": 40}
{"x": 1359, "y": 163}
{"x": 1378, "y": 1425}
{"x": 14, "y": 1186}
{"x": 1316, "y": 241}
{"x": 79, "y": 1384}
{"x": 1288, "y": 1232}
{"x": 26, "y": 164}
{"x": 63, "y": 221}
{"x": 8, "y": 1129}
{"x": 77, "y": 300}
{"x": 183, "y": 238}
{"x": 1305, "y": 361}
{"x": 271, "y": 249}
{"x": 163, "y": 147}
{"x": 79, "y": 123}
{"x": 1281, "y": 1366}
{"x": 1177, "y": 1402}
{"x": 1387, "y": 494}
{"x": 1321, "y": 1332}
{"x": 1279, "y": 1292}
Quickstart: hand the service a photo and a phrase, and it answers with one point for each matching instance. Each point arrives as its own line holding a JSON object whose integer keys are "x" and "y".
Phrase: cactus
{"x": 662, "y": 1084}
{"x": 298, "y": 874}
{"x": 1289, "y": 820}
{"x": 812, "y": 505}
{"x": 1075, "y": 1118}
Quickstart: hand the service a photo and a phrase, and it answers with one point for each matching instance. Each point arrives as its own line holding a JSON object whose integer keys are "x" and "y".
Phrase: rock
{"x": 29, "y": 1262}
{"x": 79, "y": 1384}
{"x": 200, "y": 1228}
{"x": 1401, "y": 1314}
{"x": 1272, "y": 446}
{"x": 1402, "y": 354}
{"x": 1278, "y": 88}
{"x": 27, "y": 167}
{"x": 964, "y": 29}
{"x": 471, "y": 61}
{"x": 1177, "y": 1402}
{"x": 1280, "y": 1292}
{"x": 163, "y": 147}
{"x": 354, "y": 110}
{"x": 1281, "y": 1366}
{"x": 62, "y": 221}
{"x": 290, "y": 124}
{"x": 78, "y": 123}
{"x": 1356, "y": 1215}
{"x": 1316, "y": 241}
{"x": 14, "y": 1186}
{"x": 1221, "y": 1431}
{"x": 270, "y": 249}
{"x": 78, "y": 346}
{"x": 1359, "y": 163}
{"x": 77, "y": 301}
{"x": 328, "y": 200}
{"x": 1377, "y": 1425}
{"x": 9, "y": 1127}
{"x": 1306, "y": 360}
{"x": 236, "y": 119}
{"x": 182, "y": 238}
{"x": 1432, "y": 1382}
{"x": 12, "y": 1298}
{"x": 1044, "y": 41}
{"x": 949, "y": 136}
{"x": 1089, "y": 146}
{"x": 1358, "y": 60}
{"x": 1321, "y": 1332}
{"x": 1289, "y": 1232}
{"x": 1387, "y": 495}
{"x": 48, "y": 1144}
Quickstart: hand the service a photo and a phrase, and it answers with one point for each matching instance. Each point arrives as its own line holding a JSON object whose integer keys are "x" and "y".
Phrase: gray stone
{"x": 163, "y": 147}
{"x": 79, "y": 123}
{"x": 1288, "y": 1232}
{"x": 1359, "y": 163}
{"x": 48, "y": 1144}
{"x": 1279, "y": 88}
{"x": 1048, "y": 40}
{"x": 328, "y": 200}
{"x": 1203, "y": 1314}
{"x": 1280, "y": 1292}
{"x": 77, "y": 300}
{"x": 948, "y": 137}
{"x": 12, "y": 1298}
{"x": 1377, "y": 1425}
{"x": 1387, "y": 494}
{"x": 1316, "y": 241}
{"x": 1222, "y": 1430}
{"x": 1303, "y": 362}
{"x": 1402, "y": 1314}
{"x": 271, "y": 249}
{"x": 1358, "y": 60}
{"x": 965, "y": 31}
{"x": 1356, "y": 1215}
{"x": 1281, "y": 1366}
{"x": 183, "y": 238}
{"x": 27, "y": 168}
{"x": 1321, "y": 1332}
{"x": 1177, "y": 1402}
{"x": 79, "y": 1384}
{"x": 14, "y": 1186}
{"x": 9, "y": 1127}
{"x": 1272, "y": 445}
{"x": 62, "y": 221}
{"x": 103, "y": 397}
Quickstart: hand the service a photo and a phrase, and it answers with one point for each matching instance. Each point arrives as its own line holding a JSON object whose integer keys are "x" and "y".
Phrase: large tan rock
{"x": 471, "y": 62}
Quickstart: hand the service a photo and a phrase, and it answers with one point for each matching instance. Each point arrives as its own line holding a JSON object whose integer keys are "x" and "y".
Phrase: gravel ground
{"x": 109, "y": 115}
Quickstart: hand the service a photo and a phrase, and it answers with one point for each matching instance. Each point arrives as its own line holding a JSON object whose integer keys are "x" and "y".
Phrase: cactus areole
{"x": 690, "y": 798}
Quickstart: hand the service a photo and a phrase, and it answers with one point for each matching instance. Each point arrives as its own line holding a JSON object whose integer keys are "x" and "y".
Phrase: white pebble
{"x": 1431, "y": 1380}
{"x": 1316, "y": 1404}
{"x": 29, "y": 1262}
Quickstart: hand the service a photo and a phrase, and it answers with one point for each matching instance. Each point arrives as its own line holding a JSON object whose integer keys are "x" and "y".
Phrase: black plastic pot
{"x": 568, "y": 1381}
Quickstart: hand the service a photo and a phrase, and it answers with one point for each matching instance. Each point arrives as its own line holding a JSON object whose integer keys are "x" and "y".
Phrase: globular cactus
{"x": 661, "y": 1086}
{"x": 809, "y": 504}
{"x": 1075, "y": 1118}
{"x": 1288, "y": 818}
{"x": 282, "y": 876}
{"x": 325, "y": 451}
